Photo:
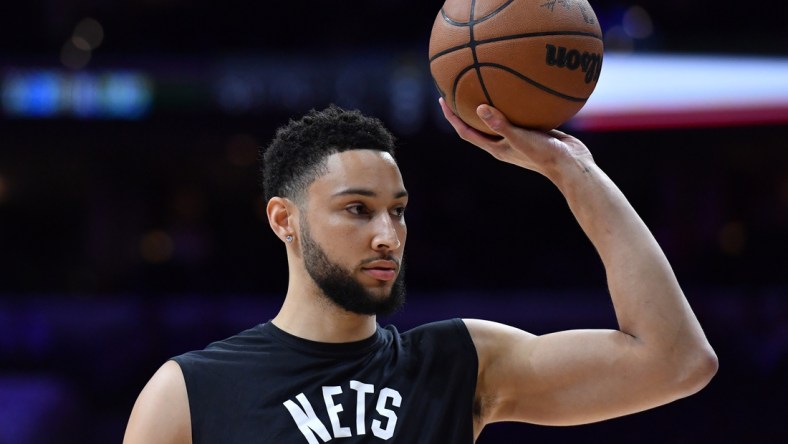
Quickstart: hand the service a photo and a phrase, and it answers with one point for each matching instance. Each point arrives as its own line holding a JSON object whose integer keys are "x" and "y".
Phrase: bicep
{"x": 565, "y": 378}
{"x": 161, "y": 412}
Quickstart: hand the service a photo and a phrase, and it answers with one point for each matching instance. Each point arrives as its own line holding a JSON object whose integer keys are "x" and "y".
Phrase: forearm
{"x": 648, "y": 300}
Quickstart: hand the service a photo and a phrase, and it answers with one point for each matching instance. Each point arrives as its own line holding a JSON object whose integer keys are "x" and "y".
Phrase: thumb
{"x": 494, "y": 119}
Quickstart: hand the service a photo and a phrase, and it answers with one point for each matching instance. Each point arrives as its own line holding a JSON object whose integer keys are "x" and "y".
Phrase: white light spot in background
{"x": 78, "y": 50}
{"x": 637, "y": 23}
{"x": 89, "y": 33}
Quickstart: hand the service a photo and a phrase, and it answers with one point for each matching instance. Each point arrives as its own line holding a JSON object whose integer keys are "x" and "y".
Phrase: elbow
{"x": 695, "y": 370}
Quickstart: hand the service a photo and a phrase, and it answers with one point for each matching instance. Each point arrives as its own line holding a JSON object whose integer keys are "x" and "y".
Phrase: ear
{"x": 282, "y": 217}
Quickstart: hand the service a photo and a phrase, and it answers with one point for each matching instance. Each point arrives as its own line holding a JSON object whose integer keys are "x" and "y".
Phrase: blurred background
{"x": 132, "y": 226}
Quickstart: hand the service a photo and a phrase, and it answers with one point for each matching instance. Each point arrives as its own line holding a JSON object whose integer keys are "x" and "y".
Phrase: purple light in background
{"x": 27, "y": 402}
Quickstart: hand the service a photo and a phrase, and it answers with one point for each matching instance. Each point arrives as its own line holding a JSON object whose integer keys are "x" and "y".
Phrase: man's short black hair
{"x": 297, "y": 155}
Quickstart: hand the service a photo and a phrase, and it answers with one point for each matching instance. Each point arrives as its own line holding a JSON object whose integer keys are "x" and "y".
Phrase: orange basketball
{"x": 537, "y": 61}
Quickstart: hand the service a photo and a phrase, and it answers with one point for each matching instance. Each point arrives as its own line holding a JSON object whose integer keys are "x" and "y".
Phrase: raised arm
{"x": 658, "y": 354}
{"x": 161, "y": 413}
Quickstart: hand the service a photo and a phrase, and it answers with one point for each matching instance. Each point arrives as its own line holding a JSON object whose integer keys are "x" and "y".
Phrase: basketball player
{"x": 323, "y": 369}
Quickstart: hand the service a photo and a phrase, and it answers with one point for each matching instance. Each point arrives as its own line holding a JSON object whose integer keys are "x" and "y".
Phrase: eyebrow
{"x": 366, "y": 192}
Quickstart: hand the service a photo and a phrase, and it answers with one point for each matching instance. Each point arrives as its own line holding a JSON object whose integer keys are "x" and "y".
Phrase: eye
{"x": 398, "y": 211}
{"x": 357, "y": 209}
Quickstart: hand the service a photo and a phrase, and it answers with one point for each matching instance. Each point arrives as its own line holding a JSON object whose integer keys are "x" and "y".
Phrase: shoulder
{"x": 440, "y": 340}
{"x": 446, "y": 330}
{"x": 239, "y": 346}
{"x": 494, "y": 342}
{"x": 161, "y": 413}
{"x": 490, "y": 335}
{"x": 445, "y": 327}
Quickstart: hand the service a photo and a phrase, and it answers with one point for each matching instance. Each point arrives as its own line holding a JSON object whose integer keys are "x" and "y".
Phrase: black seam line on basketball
{"x": 534, "y": 82}
{"x": 514, "y": 37}
{"x": 456, "y": 83}
{"x": 472, "y": 44}
{"x": 527, "y": 35}
{"x": 463, "y": 24}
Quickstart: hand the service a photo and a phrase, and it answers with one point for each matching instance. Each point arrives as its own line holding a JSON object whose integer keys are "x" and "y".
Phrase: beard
{"x": 341, "y": 288}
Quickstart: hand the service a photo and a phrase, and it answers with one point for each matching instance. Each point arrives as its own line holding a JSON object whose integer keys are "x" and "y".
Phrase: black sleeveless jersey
{"x": 267, "y": 386}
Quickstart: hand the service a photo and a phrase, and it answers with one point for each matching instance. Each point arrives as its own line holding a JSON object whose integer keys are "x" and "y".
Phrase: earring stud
{"x": 289, "y": 238}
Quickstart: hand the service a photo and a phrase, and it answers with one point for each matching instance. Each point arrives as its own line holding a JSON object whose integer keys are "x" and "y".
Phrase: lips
{"x": 382, "y": 270}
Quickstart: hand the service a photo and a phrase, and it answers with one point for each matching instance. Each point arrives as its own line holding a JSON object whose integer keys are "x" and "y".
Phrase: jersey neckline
{"x": 324, "y": 348}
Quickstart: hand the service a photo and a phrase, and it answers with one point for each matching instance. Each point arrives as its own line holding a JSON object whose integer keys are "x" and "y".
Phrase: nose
{"x": 386, "y": 236}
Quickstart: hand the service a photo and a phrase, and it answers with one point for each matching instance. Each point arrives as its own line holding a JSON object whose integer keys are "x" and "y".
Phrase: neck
{"x": 314, "y": 317}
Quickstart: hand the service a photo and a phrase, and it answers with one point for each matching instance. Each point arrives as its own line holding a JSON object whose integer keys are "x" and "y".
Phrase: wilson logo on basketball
{"x": 588, "y": 62}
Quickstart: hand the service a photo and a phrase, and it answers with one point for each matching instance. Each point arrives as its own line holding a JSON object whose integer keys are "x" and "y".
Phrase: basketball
{"x": 537, "y": 61}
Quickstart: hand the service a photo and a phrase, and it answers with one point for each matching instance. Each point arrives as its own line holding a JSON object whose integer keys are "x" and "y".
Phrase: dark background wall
{"x": 124, "y": 241}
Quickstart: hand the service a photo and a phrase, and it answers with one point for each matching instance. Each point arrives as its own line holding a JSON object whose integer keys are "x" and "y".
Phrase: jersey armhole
{"x": 467, "y": 342}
